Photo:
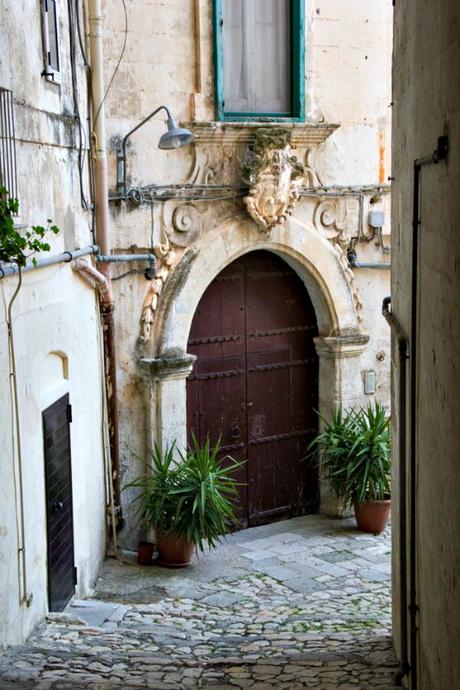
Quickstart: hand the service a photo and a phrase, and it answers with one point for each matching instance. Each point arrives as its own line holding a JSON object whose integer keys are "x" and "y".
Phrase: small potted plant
{"x": 354, "y": 454}
{"x": 187, "y": 500}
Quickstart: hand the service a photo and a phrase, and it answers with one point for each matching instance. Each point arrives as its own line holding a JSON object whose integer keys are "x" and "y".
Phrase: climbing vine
{"x": 16, "y": 247}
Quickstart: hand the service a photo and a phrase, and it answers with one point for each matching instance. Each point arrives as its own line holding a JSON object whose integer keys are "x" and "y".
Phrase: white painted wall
{"x": 55, "y": 311}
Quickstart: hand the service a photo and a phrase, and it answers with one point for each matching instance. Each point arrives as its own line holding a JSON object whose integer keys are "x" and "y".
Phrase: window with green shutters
{"x": 259, "y": 59}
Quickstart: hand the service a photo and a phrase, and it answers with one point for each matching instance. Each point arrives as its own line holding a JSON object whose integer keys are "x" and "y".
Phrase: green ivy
{"x": 14, "y": 247}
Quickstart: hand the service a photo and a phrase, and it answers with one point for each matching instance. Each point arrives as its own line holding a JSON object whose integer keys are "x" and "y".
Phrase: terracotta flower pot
{"x": 144, "y": 552}
{"x": 372, "y": 516}
{"x": 174, "y": 552}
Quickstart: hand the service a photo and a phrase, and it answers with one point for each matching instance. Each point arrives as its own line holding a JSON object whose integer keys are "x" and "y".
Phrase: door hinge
{"x": 75, "y": 577}
{"x": 69, "y": 413}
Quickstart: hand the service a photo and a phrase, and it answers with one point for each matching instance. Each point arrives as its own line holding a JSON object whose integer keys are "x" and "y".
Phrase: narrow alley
{"x": 296, "y": 604}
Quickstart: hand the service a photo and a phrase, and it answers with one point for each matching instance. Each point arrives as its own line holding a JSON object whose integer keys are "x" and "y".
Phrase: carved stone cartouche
{"x": 274, "y": 175}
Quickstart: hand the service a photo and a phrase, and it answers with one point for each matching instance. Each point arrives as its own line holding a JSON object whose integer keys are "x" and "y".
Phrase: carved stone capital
{"x": 173, "y": 364}
{"x": 339, "y": 347}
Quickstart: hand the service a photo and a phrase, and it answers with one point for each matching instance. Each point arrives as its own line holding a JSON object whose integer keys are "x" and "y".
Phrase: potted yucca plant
{"x": 354, "y": 455}
{"x": 187, "y": 498}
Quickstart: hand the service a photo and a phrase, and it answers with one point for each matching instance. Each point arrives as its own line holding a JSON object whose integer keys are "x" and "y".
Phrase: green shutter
{"x": 218, "y": 59}
{"x": 297, "y": 113}
{"x": 298, "y": 59}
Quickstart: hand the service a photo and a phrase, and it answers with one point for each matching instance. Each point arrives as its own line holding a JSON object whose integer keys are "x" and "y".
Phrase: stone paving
{"x": 303, "y": 603}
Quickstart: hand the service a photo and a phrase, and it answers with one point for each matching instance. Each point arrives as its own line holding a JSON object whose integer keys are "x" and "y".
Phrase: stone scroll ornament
{"x": 274, "y": 175}
{"x": 181, "y": 225}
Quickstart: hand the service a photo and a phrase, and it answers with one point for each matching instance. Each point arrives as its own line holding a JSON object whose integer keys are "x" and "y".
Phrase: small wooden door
{"x": 255, "y": 383}
{"x": 59, "y": 512}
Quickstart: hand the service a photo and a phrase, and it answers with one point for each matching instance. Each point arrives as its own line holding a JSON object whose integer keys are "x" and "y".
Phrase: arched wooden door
{"x": 255, "y": 383}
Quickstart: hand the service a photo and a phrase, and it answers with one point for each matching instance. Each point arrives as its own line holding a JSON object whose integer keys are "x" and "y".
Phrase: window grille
{"x": 8, "y": 171}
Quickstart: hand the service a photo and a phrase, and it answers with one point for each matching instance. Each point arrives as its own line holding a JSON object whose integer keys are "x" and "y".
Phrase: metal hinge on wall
{"x": 69, "y": 413}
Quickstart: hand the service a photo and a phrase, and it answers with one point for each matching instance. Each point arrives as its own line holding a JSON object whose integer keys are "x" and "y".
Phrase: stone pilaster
{"x": 165, "y": 378}
{"x": 339, "y": 371}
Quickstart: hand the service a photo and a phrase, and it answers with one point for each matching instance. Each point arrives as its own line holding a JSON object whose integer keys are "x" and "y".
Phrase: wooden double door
{"x": 255, "y": 383}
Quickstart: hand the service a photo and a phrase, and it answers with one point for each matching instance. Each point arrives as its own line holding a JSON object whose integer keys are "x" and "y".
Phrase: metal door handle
{"x": 56, "y": 507}
{"x": 236, "y": 433}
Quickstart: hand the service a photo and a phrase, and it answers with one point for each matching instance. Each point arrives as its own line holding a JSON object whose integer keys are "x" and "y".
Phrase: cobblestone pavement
{"x": 303, "y": 603}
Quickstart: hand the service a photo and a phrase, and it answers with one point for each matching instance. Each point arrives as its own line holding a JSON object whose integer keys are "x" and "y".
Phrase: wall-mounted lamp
{"x": 174, "y": 138}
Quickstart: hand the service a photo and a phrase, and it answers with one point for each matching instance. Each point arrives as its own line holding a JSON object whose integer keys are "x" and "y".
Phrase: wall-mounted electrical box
{"x": 376, "y": 218}
{"x": 369, "y": 382}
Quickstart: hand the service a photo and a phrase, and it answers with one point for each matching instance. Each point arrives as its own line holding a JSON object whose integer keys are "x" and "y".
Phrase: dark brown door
{"x": 59, "y": 514}
{"x": 255, "y": 383}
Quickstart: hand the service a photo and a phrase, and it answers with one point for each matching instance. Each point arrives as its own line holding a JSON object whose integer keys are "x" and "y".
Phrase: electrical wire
{"x": 201, "y": 192}
{"x": 83, "y": 140}
{"x": 128, "y": 273}
{"x": 80, "y": 36}
{"x": 91, "y": 171}
{"x": 120, "y": 58}
{"x": 24, "y": 597}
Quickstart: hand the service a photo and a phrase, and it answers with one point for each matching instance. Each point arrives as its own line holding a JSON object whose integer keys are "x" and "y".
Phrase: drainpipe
{"x": 98, "y": 134}
{"x": 104, "y": 286}
{"x": 103, "y": 239}
{"x": 439, "y": 155}
{"x": 403, "y": 345}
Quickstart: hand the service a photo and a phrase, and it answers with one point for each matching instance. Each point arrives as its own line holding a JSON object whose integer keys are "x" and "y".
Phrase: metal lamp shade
{"x": 175, "y": 137}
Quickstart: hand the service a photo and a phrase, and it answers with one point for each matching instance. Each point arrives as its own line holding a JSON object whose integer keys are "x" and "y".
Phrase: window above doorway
{"x": 259, "y": 59}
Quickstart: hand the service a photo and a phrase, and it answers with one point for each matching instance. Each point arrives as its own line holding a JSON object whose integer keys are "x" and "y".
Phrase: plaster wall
{"x": 55, "y": 324}
{"x": 427, "y": 105}
{"x": 168, "y": 59}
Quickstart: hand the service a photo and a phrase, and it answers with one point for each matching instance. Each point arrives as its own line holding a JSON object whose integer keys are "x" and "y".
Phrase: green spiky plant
{"x": 190, "y": 497}
{"x": 354, "y": 453}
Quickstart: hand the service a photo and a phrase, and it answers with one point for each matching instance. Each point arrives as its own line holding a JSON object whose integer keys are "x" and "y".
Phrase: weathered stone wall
{"x": 168, "y": 60}
{"x": 426, "y": 106}
{"x": 55, "y": 325}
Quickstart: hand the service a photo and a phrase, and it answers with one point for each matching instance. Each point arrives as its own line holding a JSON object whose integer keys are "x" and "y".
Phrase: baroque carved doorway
{"x": 255, "y": 383}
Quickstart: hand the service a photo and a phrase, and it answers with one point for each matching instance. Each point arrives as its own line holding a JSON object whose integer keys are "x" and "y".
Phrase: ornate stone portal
{"x": 279, "y": 166}
{"x": 274, "y": 175}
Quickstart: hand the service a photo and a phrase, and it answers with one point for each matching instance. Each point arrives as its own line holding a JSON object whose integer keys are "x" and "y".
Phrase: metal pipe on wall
{"x": 403, "y": 344}
{"x": 98, "y": 125}
{"x": 439, "y": 155}
{"x": 43, "y": 261}
{"x": 103, "y": 238}
{"x": 103, "y": 285}
{"x": 124, "y": 258}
